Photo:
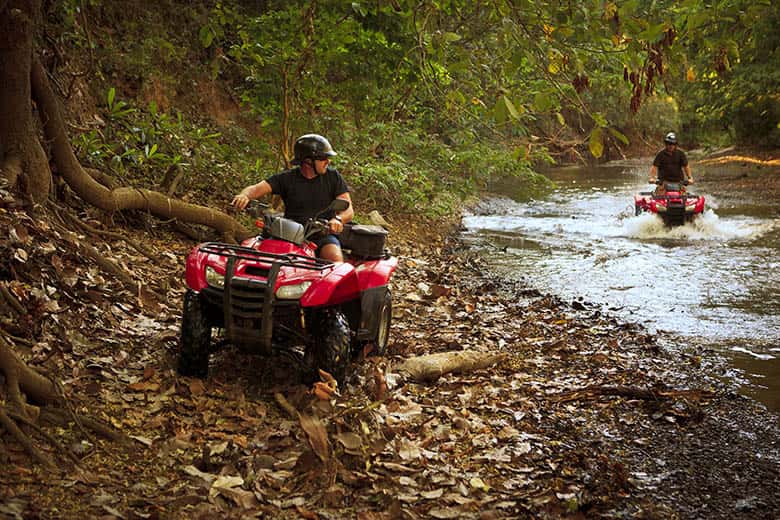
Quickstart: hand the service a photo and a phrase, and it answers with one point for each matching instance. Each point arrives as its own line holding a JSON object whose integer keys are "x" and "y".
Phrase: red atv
{"x": 675, "y": 205}
{"x": 272, "y": 294}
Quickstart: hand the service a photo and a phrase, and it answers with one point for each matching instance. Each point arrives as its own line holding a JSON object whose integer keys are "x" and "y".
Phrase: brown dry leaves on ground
{"x": 581, "y": 415}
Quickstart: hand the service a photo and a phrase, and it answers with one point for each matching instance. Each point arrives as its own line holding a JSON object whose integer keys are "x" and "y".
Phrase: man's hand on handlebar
{"x": 240, "y": 201}
{"x": 335, "y": 225}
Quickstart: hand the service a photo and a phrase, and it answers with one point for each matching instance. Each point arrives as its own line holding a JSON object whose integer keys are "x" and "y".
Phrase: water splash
{"x": 708, "y": 226}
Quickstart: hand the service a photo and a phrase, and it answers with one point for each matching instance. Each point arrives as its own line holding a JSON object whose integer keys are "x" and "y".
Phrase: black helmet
{"x": 671, "y": 138}
{"x": 311, "y": 146}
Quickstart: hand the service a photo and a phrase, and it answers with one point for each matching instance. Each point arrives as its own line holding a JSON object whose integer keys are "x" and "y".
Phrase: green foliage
{"x": 142, "y": 146}
{"x": 428, "y": 101}
{"x": 415, "y": 172}
{"x": 728, "y": 78}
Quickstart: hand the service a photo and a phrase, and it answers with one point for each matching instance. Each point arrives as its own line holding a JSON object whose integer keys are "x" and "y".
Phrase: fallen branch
{"x": 11, "y": 300}
{"x": 286, "y": 406}
{"x": 592, "y": 392}
{"x": 431, "y": 367}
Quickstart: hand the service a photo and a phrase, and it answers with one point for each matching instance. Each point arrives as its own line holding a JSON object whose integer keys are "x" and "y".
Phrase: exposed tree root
{"x": 23, "y": 439}
{"x": 21, "y": 383}
{"x": 61, "y": 417}
{"x": 11, "y": 169}
{"x": 53, "y": 441}
{"x": 103, "y": 233}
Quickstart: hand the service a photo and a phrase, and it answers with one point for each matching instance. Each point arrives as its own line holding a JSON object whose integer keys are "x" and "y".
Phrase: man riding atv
{"x": 308, "y": 187}
{"x": 669, "y": 165}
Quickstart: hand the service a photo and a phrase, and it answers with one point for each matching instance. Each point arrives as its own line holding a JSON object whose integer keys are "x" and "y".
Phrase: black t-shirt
{"x": 670, "y": 165}
{"x": 305, "y": 198}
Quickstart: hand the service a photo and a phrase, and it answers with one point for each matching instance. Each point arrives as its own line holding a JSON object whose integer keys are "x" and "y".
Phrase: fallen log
{"x": 429, "y": 368}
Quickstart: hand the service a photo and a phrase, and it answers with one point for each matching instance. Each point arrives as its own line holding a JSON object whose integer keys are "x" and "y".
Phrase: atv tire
{"x": 383, "y": 329}
{"x": 637, "y": 210}
{"x": 195, "y": 341}
{"x": 331, "y": 343}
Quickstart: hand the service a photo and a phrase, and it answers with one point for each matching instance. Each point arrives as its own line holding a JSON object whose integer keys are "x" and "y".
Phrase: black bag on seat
{"x": 363, "y": 240}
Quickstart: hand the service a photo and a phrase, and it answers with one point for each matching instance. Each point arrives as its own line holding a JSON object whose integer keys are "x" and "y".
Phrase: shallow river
{"x": 714, "y": 283}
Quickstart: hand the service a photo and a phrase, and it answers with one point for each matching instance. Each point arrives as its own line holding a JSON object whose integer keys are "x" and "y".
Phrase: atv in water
{"x": 673, "y": 204}
{"x": 272, "y": 294}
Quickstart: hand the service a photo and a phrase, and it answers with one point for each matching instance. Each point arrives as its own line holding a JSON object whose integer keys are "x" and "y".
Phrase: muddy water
{"x": 711, "y": 284}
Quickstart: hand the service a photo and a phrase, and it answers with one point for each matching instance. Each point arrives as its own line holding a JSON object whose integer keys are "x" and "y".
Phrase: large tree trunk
{"x": 22, "y": 161}
{"x": 25, "y": 166}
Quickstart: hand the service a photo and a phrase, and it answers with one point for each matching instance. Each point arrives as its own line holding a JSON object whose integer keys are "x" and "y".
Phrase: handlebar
{"x": 255, "y": 208}
{"x": 659, "y": 182}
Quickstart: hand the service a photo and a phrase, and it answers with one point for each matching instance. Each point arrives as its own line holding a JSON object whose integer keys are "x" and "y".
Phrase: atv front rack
{"x": 248, "y": 299}
{"x": 247, "y": 253}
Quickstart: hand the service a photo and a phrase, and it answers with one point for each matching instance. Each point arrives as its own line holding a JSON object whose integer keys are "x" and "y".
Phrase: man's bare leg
{"x": 331, "y": 252}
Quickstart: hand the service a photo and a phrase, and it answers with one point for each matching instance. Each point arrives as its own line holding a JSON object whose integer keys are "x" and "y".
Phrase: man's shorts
{"x": 327, "y": 239}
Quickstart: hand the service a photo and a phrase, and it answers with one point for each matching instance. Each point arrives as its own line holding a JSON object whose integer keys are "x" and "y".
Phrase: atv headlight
{"x": 213, "y": 278}
{"x": 292, "y": 292}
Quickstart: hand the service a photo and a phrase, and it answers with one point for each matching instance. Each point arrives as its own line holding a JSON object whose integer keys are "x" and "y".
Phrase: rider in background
{"x": 306, "y": 190}
{"x": 670, "y": 164}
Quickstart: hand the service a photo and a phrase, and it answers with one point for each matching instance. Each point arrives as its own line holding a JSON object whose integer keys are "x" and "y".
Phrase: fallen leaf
{"x": 305, "y": 513}
{"x": 478, "y": 483}
{"x": 350, "y": 440}
{"x": 430, "y": 495}
{"x": 144, "y": 386}
{"x": 243, "y": 498}
{"x": 317, "y": 435}
{"x": 197, "y": 387}
{"x": 195, "y": 472}
{"x": 143, "y": 440}
{"x": 225, "y": 482}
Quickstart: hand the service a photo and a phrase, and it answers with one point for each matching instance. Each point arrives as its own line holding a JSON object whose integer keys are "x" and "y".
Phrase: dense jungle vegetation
{"x": 424, "y": 100}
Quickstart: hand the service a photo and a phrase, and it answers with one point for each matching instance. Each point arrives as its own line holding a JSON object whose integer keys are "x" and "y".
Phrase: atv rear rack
{"x": 249, "y": 298}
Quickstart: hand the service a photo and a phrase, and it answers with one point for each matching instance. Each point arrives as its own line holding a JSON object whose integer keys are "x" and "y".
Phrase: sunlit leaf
{"x": 595, "y": 144}
{"x": 511, "y": 108}
{"x": 619, "y": 135}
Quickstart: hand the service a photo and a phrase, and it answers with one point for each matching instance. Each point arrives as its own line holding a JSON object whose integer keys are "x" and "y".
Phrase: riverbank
{"x": 647, "y": 430}
{"x": 754, "y": 171}
{"x": 584, "y": 416}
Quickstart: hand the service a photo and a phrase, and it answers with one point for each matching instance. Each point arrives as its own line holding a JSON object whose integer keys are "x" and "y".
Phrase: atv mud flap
{"x": 247, "y": 301}
{"x": 370, "y": 303}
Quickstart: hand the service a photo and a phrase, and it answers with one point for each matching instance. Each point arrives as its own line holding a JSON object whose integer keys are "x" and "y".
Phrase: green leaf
{"x": 543, "y": 101}
{"x": 595, "y": 144}
{"x": 620, "y": 136}
{"x": 561, "y": 120}
{"x": 450, "y": 37}
{"x": 206, "y": 36}
{"x": 511, "y": 108}
{"x": 111, "y": 94}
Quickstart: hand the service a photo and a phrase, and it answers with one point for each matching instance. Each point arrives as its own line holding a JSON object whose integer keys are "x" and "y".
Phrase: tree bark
{"x": 22, "y": 161}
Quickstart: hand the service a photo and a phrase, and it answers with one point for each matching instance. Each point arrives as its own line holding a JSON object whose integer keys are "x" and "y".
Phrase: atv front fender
{"x": 336, "y": 287}
{"x": 194, "y": 273}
